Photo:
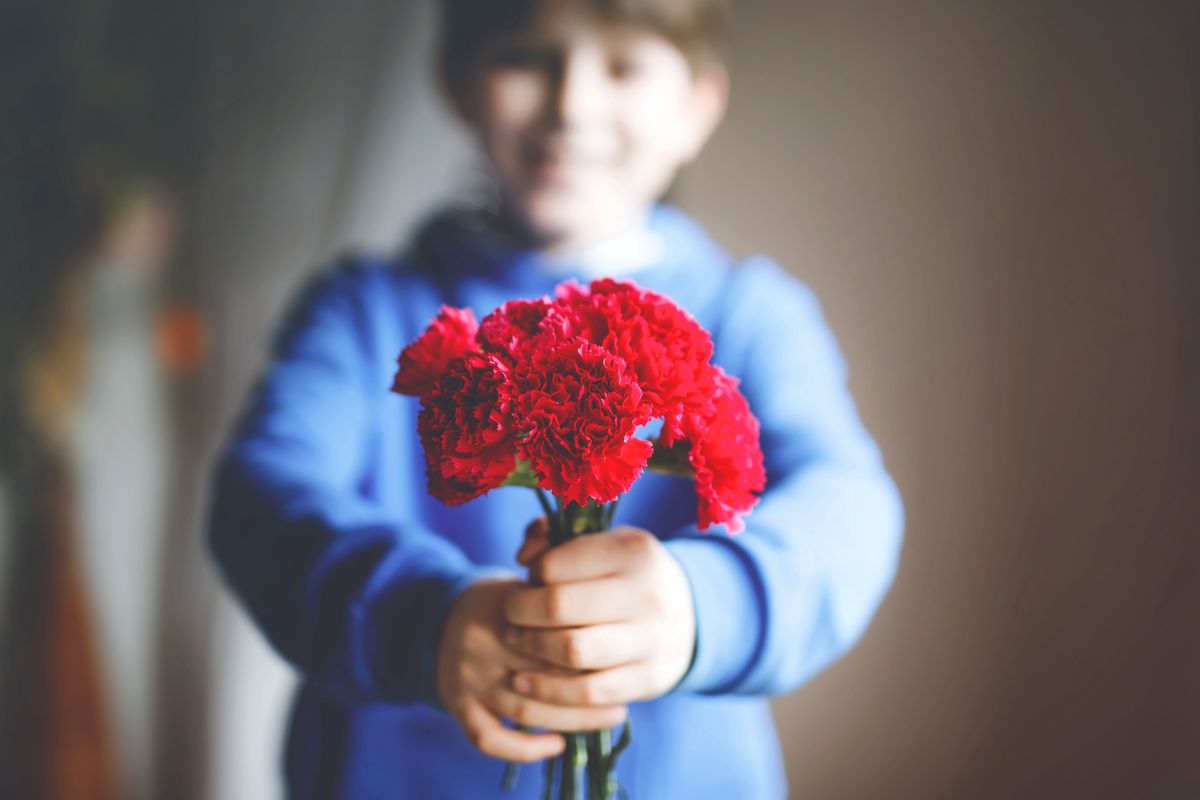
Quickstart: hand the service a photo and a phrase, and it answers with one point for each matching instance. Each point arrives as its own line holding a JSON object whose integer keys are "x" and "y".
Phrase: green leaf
{"x": 672, "y": 460}
{"x": 523, "y": 475}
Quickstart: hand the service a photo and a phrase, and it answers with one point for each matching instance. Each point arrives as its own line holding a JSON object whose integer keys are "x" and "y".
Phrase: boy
{"x": 416, "y": 639}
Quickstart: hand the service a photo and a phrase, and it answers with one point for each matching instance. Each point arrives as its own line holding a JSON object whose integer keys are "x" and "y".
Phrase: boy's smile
{"x": 584, "y": 122}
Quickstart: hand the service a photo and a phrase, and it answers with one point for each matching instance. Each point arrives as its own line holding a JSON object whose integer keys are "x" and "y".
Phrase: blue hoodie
{"x": 323, "y": 526}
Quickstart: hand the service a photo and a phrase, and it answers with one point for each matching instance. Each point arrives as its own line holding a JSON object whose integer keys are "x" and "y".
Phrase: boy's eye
{"x": 524, "y": 57}
{"x": 624, "y": 68}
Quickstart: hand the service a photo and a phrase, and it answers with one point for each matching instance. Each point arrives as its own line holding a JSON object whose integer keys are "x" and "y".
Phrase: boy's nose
{"x": 581, "y": 92}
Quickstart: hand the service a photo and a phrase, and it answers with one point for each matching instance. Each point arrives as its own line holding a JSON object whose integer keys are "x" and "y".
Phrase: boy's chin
{"x": 564, "y": 226}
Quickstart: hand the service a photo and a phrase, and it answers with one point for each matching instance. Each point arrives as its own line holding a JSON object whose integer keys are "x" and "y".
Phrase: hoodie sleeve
{"x": 352, "y": 596}
{"x": 780, "y": 601}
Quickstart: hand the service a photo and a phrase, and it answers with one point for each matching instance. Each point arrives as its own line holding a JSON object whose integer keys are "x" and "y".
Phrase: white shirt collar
{"x": 614, "y": 256}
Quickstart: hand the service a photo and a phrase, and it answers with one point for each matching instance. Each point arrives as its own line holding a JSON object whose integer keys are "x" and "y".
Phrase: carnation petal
{"x": 467, "y": 429}
{"x": 451, "y": 335}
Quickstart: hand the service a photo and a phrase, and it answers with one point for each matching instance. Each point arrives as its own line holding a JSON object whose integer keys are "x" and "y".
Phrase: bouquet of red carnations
{"x": 550, "y": 394}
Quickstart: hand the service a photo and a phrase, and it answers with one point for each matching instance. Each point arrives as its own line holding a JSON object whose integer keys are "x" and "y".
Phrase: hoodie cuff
{"x": 400, "y": 646}
{"x": 729, "y": 606}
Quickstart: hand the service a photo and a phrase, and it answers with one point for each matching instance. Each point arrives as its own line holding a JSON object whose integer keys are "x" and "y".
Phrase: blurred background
{"x": 996, "y": 202}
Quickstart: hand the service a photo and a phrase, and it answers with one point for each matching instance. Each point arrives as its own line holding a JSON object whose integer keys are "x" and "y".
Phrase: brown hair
{"x": 699, "y": 28}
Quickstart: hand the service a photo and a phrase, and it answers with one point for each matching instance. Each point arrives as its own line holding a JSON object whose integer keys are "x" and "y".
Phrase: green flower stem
{"x": 511, "y": 771}
{"x": 610, "y": 511}
{"x": 572, "y": 759}
{"x": 601, "y": 785}
{"x": 562, "y": 531}
{"x": 589, "y": 740}
{"x": 548, "y": 780}
{"x": 618, "y": 748}
{"x": 671, "y": 460}
{"x": 588, "y": 763}
{"x": 545, "y": 503}
{"x": 593, "y": 752}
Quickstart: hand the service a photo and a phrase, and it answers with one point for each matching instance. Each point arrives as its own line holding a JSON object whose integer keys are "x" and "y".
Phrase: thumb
{"x": 537, "y": 541}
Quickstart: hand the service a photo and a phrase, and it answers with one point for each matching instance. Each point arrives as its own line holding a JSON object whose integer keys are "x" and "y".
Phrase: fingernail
{"x": 521, "y": 684}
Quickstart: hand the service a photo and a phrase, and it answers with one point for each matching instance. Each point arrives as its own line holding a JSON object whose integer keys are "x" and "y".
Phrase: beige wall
{"x": 992, "y": 201}
{"x": 996, "y": 203}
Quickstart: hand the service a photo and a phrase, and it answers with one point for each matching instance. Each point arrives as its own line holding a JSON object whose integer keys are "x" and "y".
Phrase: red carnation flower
{"x": 663, "y": 345}
{"x": 577, "y": 406}
{"x": 725, "y": 455}
{"x": 564, "y": 384}
{"x": 508, "y": 328}
{"x": 451, "y": 335}
{"x": 466, "y": 428}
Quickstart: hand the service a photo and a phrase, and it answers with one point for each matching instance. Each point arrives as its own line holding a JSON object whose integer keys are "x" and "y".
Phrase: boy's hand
{"x": 474, "y": 668}
{"x": 615, "y": 610}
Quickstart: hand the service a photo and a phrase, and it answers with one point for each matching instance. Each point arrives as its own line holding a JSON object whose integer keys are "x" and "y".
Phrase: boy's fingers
{"x": 587, "y": 557}
{"x": 514, "y": 659}
{"x": 616, "y": 686}
{"x": 488, "y": 735}
{"x": 591, "y": 647}
{"x": 571, "y": 604}
{"x": 537, "y": 540}
{"x": 536, "y": 714}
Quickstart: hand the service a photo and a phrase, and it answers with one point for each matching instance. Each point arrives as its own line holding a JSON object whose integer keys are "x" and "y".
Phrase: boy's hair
{"x": 699, "y": 28}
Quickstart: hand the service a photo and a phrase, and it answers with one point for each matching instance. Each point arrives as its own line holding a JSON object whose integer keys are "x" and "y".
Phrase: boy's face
{"x": 585, "y": 122}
